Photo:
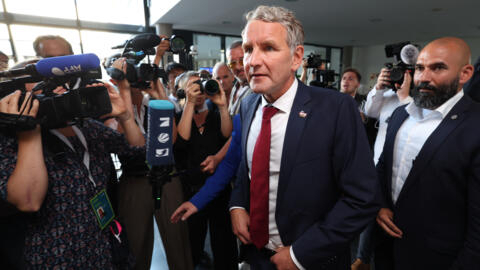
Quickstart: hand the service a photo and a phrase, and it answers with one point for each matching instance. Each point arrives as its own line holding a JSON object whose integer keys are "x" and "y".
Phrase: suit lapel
{"x": 456, "y": 116}
{"x": 293, "y": 135}
{"x": 246, "y": 123}
{"x": 394, "y": 124}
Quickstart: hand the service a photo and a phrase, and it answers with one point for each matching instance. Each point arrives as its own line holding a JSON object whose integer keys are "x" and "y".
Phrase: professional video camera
{"x": 405, "y": 55}
{"x": 315, "y": 60}
{"x": 324, "y": 77}
{"x": 139, "y": 74}
{"x": 209, "y": 87}
{"x": 57, "y": 110}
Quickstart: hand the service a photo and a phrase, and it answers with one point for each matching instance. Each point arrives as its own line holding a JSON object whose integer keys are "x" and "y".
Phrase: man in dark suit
{"x": 430, "y": 169}
{"x": 306, "y": 184}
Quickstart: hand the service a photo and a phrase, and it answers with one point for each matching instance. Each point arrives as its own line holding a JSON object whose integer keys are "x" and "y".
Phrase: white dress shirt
{"x": 278, "y": 128}
{"x": 238, "y": 93}
{"x": 411, "y": 137}
{"x": 380, "y": 105}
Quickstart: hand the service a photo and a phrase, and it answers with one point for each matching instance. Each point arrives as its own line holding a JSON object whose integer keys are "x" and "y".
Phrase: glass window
{"x": 112, "y": 11}
{"x": 101, "y": 43}
{"x": 209, "y": 50}
{"x": 335, "y": 62}
{"x": 64, "y": 9}
{"x": 24, "y": 35}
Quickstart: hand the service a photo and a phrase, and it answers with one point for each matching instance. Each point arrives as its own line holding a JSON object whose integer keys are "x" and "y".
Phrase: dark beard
{"x": 440, "y": 94}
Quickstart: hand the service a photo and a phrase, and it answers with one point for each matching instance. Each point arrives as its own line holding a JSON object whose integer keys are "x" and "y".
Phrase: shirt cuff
{"x": 235, "y": 207}
{"x": 294, "y": 259}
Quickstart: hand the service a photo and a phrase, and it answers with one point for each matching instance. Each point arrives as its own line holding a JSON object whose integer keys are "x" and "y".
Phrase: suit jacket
{"x": 327, "y": 184}
{"x": 438, "y": 208}
{"x": 472, "y": 87}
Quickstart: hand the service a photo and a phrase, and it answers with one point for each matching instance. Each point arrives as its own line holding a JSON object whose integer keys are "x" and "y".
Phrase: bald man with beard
{"x": 430, "y": 169}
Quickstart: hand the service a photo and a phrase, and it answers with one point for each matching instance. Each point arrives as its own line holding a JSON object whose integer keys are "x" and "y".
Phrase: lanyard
{"x": 86, "y": 155}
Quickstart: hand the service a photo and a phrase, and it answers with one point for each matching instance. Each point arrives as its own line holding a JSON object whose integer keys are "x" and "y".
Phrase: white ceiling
{"x": 339, "y": 22}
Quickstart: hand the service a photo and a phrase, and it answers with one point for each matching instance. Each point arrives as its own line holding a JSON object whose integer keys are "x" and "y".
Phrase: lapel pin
{"x": 302, "y": 114}
{"x": 454, "y": 117}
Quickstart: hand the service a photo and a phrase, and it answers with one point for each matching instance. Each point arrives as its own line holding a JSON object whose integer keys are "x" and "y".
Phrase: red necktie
{"x": 259, "y": 185}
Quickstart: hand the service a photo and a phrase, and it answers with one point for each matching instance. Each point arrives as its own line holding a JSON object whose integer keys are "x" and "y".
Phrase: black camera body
{"x": 209, "y": 87}
{"x": 397, "y": 72}
{"x": 55, "y": 111}
{"x": 314, "y": 60}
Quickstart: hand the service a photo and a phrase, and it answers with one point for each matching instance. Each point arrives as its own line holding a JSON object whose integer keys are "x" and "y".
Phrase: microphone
{"x": 57, "y": 66}
{"x": 159, "y": 133}
{"x": 145, "y": 41}
{"x": 409, "y": 54}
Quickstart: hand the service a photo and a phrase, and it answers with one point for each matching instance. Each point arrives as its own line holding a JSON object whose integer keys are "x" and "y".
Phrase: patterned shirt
{"x": 64, "y": 233}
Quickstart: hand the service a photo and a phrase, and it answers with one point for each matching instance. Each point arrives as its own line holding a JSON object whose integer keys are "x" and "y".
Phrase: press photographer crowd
{"x": 277, "y": 174}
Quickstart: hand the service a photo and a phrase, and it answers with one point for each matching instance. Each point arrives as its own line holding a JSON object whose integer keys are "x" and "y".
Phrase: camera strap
{"x": 81, "y": 137}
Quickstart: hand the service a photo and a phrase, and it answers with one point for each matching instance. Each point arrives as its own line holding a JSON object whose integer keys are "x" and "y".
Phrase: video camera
{"x": 138, "y": 74}
{"x": 315, "y": 60}
{"x": 405, "y": 55}
{"x": 57, "y": 110}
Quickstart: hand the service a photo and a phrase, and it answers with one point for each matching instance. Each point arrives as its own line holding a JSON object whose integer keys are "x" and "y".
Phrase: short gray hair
{"x": 285, "y": 17}
{"x": 182, "y": 79}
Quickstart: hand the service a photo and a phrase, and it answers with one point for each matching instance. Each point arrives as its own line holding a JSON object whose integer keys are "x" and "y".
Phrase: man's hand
{"x": 404, "y": 89}
{"x": 283, "y": 260}
{"x": 209, "y": 164}
{"x": 240, "y": 224}
{"x": 183, "y": 212}
{"x": 385, "y": 220}
{"x": 383, "y": 79}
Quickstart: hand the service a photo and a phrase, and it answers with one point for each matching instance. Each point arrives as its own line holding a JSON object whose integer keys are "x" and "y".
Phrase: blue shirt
{"x": 225, "y": 170}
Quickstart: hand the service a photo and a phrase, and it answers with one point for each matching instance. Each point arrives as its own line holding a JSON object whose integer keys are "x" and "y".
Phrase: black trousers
{"x": 224, "y": 247}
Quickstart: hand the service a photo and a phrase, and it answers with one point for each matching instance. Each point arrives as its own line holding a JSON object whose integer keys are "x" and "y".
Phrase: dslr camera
{"x": 139, "y": 74}
{"x": 405, "y": 55}
{"x": 209, "y": 87}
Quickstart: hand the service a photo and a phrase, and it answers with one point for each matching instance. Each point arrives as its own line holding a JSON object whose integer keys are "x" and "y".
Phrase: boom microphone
{"x": 57, "y": 66}
{"x": 145, "y": 41}
{"x": 159, "y": 134}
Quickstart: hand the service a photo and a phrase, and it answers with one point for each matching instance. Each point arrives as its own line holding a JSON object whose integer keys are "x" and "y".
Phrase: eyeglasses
{"x": 232, "y": 64}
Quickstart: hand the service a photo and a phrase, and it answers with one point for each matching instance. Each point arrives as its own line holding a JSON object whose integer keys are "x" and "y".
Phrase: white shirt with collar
{"x": 278, "y": 128}
{"x": 411, "y": 137}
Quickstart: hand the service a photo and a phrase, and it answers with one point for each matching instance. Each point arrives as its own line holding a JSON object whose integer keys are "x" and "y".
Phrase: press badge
{"x": 102, "y": 208}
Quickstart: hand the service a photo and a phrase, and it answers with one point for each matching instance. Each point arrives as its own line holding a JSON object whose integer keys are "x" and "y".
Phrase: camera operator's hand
{"x": 220, "y": 99}
{"x": 9, "y": 104}
{"x": 404, "y": 89}
{"x": 156, "y": 90}
{"x": 303, "y": 77}
{"x": 161, "y": 49}
{"x": 120, "y": 64}
{"x": 27, "y": 185}
{"x": 383, "y": 79}
{"x": 193, "y": 93}
{"x": 119, "y": 107}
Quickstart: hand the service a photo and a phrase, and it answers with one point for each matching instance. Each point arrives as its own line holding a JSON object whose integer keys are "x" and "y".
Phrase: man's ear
{"x": 297, "y": 57}
{"x": 466, "y": 73}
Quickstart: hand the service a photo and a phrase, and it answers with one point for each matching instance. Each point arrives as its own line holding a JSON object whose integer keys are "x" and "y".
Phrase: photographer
{"x": 202, "y": 132}
{"x": 382, "y": 100}
{"x": 136, "y": 205}
{"x": 56, "y": 174}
